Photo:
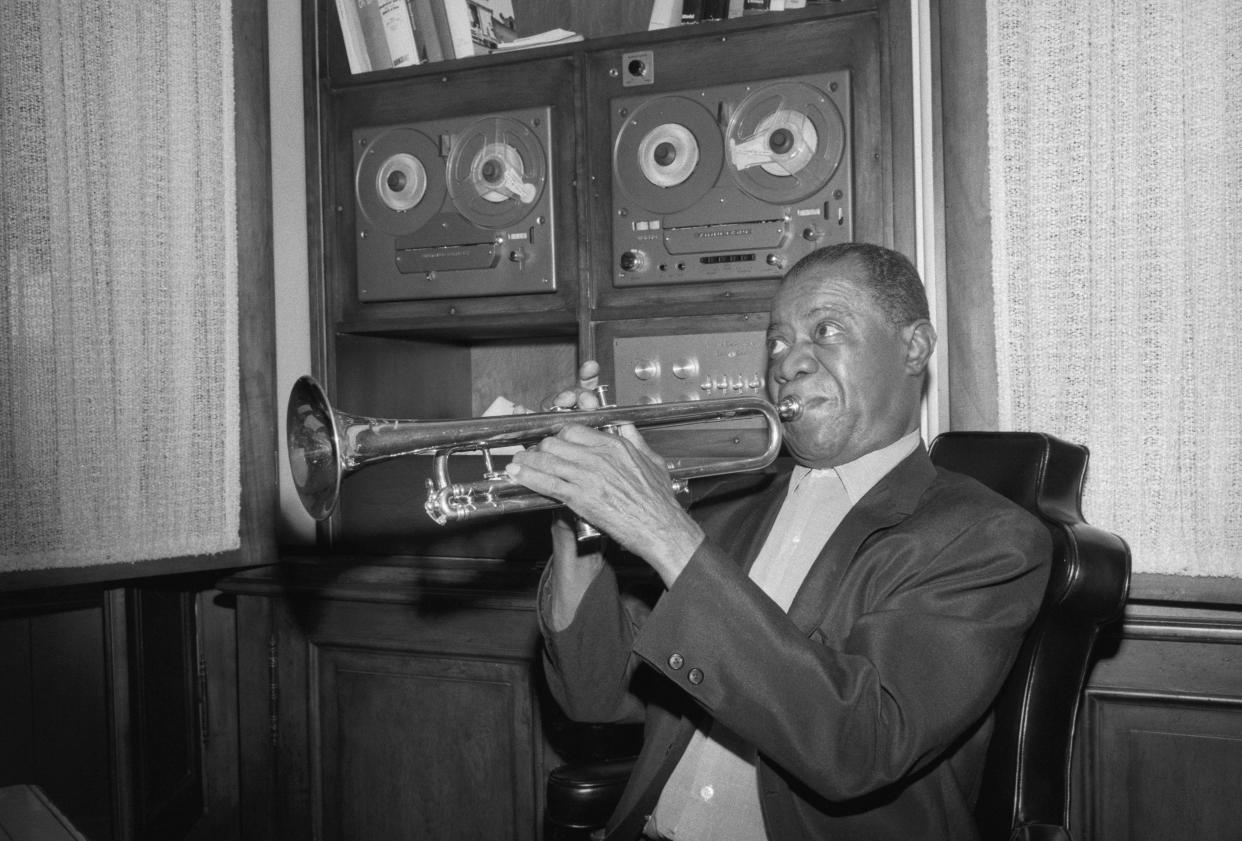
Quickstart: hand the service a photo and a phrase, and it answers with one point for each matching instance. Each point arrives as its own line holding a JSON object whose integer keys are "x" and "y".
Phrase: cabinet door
{"x": 420, "y": 746}
{"x": 1159, "y": 750}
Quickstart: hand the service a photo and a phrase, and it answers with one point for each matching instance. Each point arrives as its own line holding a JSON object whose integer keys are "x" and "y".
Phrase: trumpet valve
{"x": 489, "y": 469}
{"x": 434, "y": 505}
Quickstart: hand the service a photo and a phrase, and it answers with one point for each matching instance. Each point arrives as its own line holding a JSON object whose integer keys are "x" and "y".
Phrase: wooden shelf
{"x": 335, "y": 69}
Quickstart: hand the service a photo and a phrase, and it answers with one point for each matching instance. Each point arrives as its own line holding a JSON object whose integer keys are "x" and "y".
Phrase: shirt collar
{"x": 861, "y": 474}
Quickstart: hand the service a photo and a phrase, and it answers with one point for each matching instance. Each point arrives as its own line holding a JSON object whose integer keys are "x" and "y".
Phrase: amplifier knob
{"x": 647, "y": 368}
{"x": 687, "y": 368}
{"x": 633, "y": 261}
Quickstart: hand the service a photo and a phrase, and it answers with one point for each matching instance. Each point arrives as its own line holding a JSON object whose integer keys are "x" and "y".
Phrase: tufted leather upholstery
{"x": 1025, "y": 794}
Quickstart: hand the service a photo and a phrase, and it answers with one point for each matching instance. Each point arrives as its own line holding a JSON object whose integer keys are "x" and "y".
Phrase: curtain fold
{"x": 119, "y": 387}
{"x": 1116, "y": 170}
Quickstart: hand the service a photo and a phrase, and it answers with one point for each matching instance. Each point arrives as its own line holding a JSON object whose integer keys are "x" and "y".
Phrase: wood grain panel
{"x": 69, "y": 724}
{"x": 164, "y": 683}
{"x": 16, "y": 702}
{"x": 423, "y": 747}
{"x": 1166, "y": 768}
{"x": 526, "y": 372}
{"x": 1159, "y": 748}
{"x": 970, "y": 346}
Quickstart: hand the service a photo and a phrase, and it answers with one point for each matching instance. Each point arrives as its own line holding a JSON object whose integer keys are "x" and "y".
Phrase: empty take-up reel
{"x": 731, "y": 182}
{"x": 455, "y": 208}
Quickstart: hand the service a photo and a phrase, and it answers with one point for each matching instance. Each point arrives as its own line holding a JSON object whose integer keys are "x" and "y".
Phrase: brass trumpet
{"x": 327, "y": 445}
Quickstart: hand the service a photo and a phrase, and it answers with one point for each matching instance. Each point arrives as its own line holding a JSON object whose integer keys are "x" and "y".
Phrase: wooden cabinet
{"x": 108, "y": 706}
{"x": 390, "y": 700}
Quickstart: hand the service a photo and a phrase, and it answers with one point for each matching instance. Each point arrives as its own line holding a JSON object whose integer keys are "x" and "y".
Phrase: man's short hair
{"x": 893, "y": 281}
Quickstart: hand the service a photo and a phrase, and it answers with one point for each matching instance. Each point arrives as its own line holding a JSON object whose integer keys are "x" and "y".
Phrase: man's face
{"x": 831, "y": 346}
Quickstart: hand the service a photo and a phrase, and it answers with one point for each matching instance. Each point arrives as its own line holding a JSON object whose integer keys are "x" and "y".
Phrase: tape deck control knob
{"x": 633, "y": 261}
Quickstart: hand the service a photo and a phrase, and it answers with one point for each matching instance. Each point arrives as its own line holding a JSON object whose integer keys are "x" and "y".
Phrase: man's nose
{"x": 797, "y": 363}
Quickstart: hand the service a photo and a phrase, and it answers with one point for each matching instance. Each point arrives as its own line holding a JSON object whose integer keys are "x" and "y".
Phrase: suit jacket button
{"x": 695, "y": 676}
{"x": 675, "y": 661}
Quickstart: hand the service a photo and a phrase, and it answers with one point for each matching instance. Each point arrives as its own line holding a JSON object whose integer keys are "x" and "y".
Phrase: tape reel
{"x": 668, "y": 154}
{"x": 497, "y": 171}
{"x": 785, "y": 141}
{"x": 399, "y": 181}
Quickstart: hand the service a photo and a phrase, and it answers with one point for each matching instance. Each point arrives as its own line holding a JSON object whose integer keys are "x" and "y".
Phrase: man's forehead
{"x": 837, "y": 286}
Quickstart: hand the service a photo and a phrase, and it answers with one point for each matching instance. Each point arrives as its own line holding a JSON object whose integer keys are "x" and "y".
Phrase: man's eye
{"x": 776, "y": 346}
{"x": 826, "y": 330}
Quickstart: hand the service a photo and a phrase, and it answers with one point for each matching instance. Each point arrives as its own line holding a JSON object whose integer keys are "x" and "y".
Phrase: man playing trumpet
{"x": 824, "y": 652}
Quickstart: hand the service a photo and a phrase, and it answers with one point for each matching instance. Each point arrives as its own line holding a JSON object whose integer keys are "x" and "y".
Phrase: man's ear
{"x": 920, "y": 339}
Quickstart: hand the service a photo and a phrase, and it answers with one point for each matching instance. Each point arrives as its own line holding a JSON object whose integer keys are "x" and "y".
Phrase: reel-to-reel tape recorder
{"x": 732, "y": 182}
{"x": 455, "y": 207}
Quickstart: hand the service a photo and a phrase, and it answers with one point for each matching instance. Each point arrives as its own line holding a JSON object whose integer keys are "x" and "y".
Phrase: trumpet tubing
{"x": 326, "y": 445}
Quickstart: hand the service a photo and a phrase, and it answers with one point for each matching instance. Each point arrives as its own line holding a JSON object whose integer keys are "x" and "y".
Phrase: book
{"x": 454, "y": 17}
{"x": 477, "y": 27}
{"x": 398, "y": 33}
{"x": 355, "y": 41}
{"x": 665, "y": 13}
{"x": 426, "y": 30}
{"x": 434, "y": 9}
{"x": 542, "y": 39}
{"x": 379, "y": 34}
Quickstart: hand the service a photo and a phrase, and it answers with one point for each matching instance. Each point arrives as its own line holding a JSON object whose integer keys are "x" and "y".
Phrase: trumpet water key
{"x": 326, "y": 445}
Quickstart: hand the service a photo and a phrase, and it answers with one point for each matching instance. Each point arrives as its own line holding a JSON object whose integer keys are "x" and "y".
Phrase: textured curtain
{"x": 119, "y": 377}
{"x": 1116, "y": 167}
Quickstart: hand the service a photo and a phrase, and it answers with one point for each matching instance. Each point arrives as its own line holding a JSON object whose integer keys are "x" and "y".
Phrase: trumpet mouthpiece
{"x": 789, "y": 409}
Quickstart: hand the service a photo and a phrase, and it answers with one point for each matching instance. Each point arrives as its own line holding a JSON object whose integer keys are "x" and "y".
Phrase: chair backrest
{"x": 1025, "y": 793}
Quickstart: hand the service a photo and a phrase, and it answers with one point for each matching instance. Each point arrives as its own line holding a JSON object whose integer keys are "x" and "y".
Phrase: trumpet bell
{"x": 314, "y": 456}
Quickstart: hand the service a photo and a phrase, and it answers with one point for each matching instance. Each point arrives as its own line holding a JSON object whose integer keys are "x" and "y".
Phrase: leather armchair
{"x": 1025, "y": 793}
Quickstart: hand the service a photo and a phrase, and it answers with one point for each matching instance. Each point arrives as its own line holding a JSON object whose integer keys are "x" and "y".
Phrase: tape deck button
{"x": 633, "y": 261}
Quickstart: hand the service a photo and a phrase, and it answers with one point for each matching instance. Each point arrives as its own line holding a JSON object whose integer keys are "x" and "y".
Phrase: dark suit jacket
{"x": 868, "y": 701}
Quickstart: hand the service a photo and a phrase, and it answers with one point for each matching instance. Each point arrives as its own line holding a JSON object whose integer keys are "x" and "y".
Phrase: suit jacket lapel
{"x": 887, "y": 503}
